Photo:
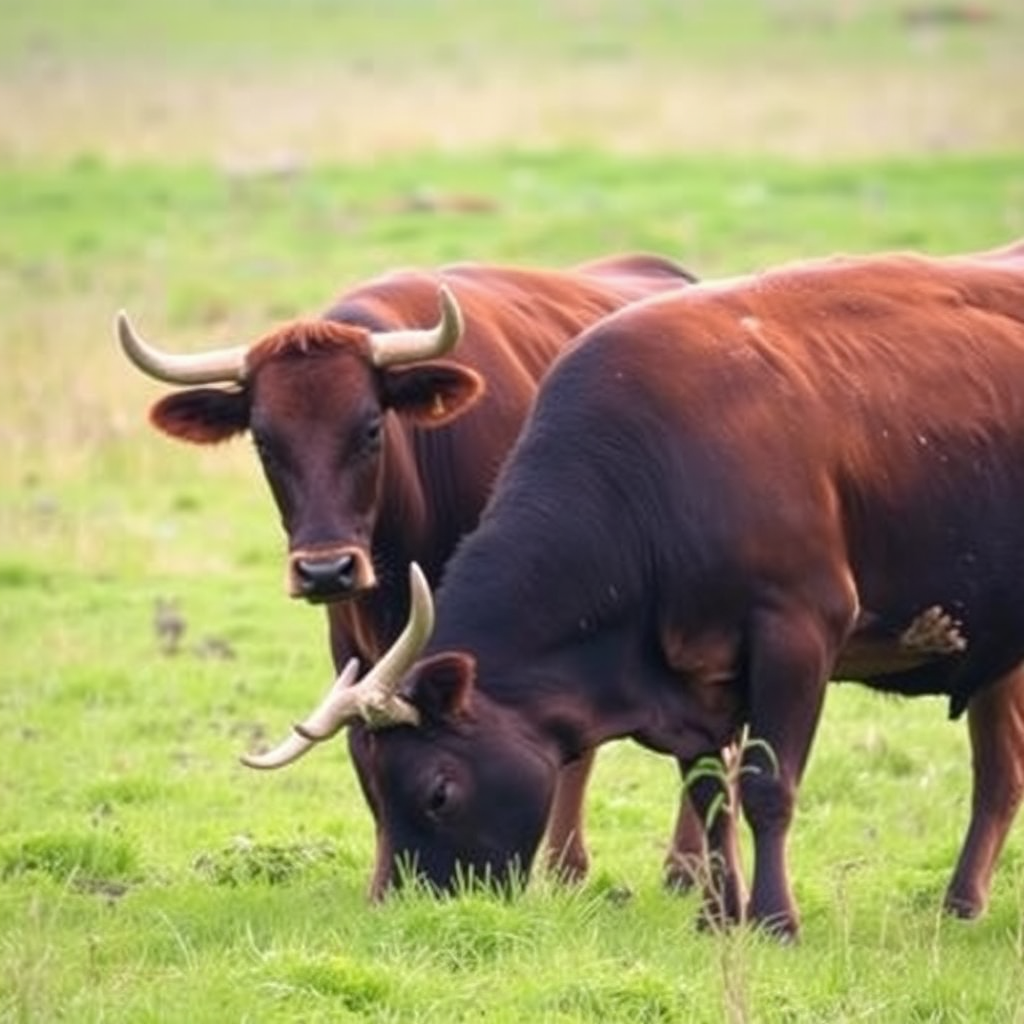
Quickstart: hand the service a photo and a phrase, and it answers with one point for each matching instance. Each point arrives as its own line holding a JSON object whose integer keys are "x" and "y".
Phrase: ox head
{"x": 317, "y": 397}
{"x": 458, "y": 790}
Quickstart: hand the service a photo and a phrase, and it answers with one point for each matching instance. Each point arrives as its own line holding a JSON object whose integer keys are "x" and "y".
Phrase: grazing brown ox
{"x": 723, "y": 498}
{"x": 344, "y": 411}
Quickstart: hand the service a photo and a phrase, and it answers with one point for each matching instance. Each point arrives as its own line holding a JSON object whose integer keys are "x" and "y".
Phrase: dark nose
{"x": 326, "y": 577}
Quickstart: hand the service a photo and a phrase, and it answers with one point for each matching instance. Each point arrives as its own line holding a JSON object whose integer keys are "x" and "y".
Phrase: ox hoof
{"x": 780, "y": 928}
{"x": 568, "y": 867}
{"x": 721, "y": 908}
{"x": 683, "y": 874}
{"x": 964, "y": 908}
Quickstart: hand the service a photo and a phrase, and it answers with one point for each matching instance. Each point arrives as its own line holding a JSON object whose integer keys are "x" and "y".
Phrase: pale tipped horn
{"x": 374, "y": 699}
{"x": 392, "y": 347}
{"x": 218, "y": 366}
{"x": 296, "y": 744}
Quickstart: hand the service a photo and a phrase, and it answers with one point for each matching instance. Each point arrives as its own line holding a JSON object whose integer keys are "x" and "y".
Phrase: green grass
{"x": 440, "y": 30}
{"x": 216, "y": 168}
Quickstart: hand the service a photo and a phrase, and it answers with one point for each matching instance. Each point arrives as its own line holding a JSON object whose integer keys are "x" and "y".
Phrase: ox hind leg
{"x": 995, "y": 718}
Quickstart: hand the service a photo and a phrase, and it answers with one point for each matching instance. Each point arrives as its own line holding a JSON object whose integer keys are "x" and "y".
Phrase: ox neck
{"x": 566, "y": 675}
{"x": 403, "y": 525}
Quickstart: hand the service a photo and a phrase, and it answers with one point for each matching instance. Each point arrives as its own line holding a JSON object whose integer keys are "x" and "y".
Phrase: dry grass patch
{"x": 256, "y": 122}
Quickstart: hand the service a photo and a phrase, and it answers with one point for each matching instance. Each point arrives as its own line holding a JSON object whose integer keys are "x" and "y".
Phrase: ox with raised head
{"x": 722, "y": 499}
{"x": 344, "y": 411}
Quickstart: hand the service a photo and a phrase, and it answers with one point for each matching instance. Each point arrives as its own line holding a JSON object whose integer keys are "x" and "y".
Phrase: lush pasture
{"x": 216, "y": 168}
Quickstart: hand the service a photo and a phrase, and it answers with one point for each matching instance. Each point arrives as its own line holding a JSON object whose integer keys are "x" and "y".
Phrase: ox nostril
{"x": 326, "y": 575}
{"x": 346, "y": 571}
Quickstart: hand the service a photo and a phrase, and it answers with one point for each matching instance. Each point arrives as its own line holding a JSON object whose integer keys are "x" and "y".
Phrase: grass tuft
{"x": 244, "y": 861}
{"x": 620, "y": 992}
{"x": 91, "y": 857}
{"x": 357, "y": 985}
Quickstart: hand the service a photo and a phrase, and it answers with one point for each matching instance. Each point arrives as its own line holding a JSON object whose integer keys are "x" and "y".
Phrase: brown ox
{"x": 344, "y": 411}
{"x": 723, "y": 498}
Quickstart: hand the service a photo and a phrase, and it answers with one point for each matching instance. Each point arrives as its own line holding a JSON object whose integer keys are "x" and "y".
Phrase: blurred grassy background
{"x": 242, "y": 82}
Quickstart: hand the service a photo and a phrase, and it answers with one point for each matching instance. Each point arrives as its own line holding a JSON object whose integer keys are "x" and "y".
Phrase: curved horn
{"x": 296, "y": 745}
{"x": 392, "y": 347}
{"x": 375, "y": 698}
{"x": 220, "y": 365}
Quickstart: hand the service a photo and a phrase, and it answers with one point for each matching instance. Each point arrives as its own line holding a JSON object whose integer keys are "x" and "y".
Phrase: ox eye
{"x": 372, "y": 433}
{"x": 439, "y": 797}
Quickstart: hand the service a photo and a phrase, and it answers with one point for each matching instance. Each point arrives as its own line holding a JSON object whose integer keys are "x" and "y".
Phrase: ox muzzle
{"x": 322, "y": 575}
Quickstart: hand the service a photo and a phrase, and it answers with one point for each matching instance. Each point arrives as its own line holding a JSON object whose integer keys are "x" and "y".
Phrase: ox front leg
{"x": 707, "y": 825}
{"x": 567, "y": 856}
{"x": 995, "y": 719}
{"x": 791, "y": 655}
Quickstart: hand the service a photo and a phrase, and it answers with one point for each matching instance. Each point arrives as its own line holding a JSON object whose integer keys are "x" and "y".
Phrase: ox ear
{"x": 440, "y": 686}
{"x": 202, "y": 415}
{"x": 432, "y": 394}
